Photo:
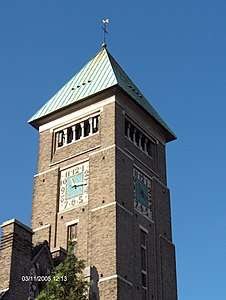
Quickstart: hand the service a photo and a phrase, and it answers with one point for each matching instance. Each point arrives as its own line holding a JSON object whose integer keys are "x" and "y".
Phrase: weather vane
{"x": 105, "y": 22}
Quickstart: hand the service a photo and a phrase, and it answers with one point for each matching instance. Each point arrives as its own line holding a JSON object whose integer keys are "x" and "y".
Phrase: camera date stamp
{"x": 38, "y": 278}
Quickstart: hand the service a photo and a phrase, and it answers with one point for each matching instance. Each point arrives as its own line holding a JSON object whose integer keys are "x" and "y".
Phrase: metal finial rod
{"x": 105, "y": 22}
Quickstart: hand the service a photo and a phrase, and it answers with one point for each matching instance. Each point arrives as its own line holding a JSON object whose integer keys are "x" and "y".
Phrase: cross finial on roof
{"x": 105, "y": 22}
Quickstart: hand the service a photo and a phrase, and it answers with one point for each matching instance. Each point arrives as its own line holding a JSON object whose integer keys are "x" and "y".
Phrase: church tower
{"x": 101, "y": 182}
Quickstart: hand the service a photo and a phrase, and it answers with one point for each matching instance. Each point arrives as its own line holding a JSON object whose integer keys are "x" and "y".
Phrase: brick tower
{"x": 101, "y": 182}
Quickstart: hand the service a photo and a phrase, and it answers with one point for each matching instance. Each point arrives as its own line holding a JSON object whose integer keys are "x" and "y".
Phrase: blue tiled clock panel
{"x": 141, "y": 192}
{"x": 74, "y": 186}
{"x": 142, "y": 186}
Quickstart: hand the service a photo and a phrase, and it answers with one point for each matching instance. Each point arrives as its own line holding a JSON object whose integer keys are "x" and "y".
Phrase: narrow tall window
{"x": 86, "y": 128}
{"x": 143, "y": 243}
{"x": 72, "y": 236}
{"x": 150, "y": 148}
{"x": 69, "y": 135}
{"x": 78, "y": 131}
{"x": 131, "y": 132}
{"x": 95, "y": 124}
{"x": 60, "y": 138}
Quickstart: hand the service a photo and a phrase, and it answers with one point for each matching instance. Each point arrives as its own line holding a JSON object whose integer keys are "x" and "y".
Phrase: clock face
{"x": 142, "y": 193}
{"x": 74, "y": 186}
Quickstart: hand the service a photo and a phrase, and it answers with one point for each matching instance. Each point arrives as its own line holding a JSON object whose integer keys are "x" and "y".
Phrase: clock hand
{"x": 72, "y": 182}
{"x": 78, "y": 184}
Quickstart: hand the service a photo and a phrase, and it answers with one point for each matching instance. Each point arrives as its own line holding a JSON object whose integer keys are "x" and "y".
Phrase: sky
{"x": 174, "y": 51}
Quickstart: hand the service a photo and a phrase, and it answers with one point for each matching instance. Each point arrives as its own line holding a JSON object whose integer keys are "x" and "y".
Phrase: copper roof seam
{"x": 105, "y": 83}
{"x": 111, "y": 79}
{"x": 102, "y": 74}
{"x": 65, "y": 91}
{"x": 75, "y": 81}
{"x": 78, "y": 81}
{"x": 89, "y": 67}
{"x": 93, "y": 66}
{"x": 95, "y": 72}
{"x": 66, "y": 94}
{"x": 50, "y": 103}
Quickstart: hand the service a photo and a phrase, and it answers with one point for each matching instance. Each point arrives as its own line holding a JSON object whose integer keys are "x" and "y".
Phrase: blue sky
{"x": 174, "y": 51}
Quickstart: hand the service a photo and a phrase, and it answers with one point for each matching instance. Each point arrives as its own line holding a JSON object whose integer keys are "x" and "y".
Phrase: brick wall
{"x": 161, "y": 259}
{"x": 15, "y": 259}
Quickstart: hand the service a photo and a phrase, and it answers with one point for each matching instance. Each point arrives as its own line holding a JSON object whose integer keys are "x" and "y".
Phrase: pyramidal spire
{"x": 100, "y": 73}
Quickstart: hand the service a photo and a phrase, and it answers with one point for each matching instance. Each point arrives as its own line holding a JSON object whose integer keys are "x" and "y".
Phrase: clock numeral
{"x": 63, "y": 182}
{"x": 86, "y": 190}
{"x": 65, "y": 204}
{"x": 75, "y": 171}
{"x": 73, "y": 202}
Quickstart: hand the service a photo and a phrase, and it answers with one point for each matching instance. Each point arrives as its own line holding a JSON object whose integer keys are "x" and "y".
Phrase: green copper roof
{"x": 98, "y": 74}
